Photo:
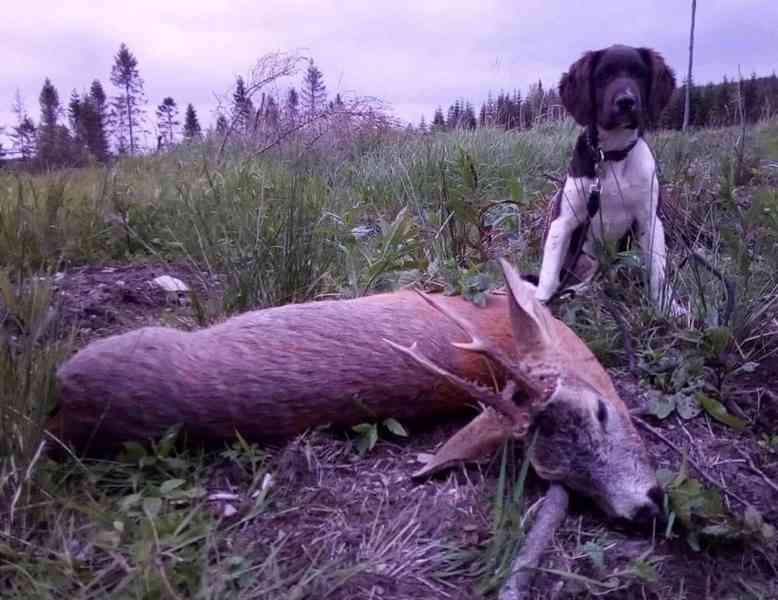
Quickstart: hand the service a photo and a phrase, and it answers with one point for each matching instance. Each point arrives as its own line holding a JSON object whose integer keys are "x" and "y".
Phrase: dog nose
{"x": 653, "y": 508}
{"x": 625, "y": 102}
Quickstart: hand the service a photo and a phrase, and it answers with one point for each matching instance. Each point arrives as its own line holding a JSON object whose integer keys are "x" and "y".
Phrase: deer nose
{"x": 653, "y": 508}
{"x": 625, "y": 102}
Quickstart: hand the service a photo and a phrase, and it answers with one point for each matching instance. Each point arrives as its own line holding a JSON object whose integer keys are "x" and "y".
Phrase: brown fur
{"x": 274, "y": 373}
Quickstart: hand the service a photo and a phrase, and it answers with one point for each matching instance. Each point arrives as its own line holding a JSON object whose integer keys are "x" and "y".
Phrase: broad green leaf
{"x": 395, "y": 427}
{"x": 716, "y": 340}
{"x": 716, "y": 410}
{"x": 170, "y": 485}
{"x": 661, "y": 406}
{"x": 687, "y": 406}
{"x": 152, "y": 506}
{"x": 128, "y": 502}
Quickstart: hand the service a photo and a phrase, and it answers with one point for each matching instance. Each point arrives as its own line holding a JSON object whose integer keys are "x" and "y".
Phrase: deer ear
{"x": 530, "y": 320}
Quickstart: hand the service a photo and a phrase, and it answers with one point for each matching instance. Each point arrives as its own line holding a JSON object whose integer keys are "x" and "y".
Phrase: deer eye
{"x": 602, "y": 412}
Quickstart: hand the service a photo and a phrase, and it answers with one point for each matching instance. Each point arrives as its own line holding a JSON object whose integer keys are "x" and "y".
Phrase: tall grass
{"x": 287, "y": 227}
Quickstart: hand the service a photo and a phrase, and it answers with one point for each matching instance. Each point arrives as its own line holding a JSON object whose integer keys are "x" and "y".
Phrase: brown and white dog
{"x": 611, "y": 188}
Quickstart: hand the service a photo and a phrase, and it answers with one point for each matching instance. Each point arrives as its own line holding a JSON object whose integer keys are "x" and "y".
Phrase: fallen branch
{"x": 550, "y": 517}
{"x": 690, "y": 460}
{"x": 756, "y": 469}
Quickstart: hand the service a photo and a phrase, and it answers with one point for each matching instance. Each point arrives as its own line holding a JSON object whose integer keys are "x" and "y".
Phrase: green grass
{"x": 280, "y": 228}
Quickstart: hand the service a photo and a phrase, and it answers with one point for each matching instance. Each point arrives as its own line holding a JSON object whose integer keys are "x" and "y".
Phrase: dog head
{"x": 617, "y": 87}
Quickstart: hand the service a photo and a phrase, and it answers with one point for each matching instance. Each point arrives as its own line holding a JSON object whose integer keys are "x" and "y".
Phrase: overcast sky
{"x": 413, "y": 55}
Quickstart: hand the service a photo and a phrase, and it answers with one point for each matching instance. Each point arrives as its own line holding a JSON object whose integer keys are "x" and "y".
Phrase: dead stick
{"x": 690, "y": 460}
{"x": 757, "y": 470}
{"x": 550, "y": 517}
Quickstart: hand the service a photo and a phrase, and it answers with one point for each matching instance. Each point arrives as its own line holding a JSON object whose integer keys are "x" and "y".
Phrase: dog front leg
{"x": 652, "y": 245}
{"x": 557, "y": 243}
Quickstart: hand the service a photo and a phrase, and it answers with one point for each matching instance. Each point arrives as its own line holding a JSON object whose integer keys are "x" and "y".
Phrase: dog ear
{"x": 576, "y": 88}
{"x": 661, "y": 83}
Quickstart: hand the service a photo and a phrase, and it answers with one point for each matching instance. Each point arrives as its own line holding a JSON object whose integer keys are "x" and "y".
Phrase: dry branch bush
{"x": 334, "y": 125}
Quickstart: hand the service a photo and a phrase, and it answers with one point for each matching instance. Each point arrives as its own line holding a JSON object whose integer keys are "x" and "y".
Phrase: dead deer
{"x": 274, "y": 373}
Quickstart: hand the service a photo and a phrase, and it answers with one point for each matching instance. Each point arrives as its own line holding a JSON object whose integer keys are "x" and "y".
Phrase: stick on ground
{"x": 550, "y": 517}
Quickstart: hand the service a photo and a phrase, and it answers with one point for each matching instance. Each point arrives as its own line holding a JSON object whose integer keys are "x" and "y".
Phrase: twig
{"x": 690, "y": 460}
{"x": 550, "y": 517}
{"x": 756, "y": 469}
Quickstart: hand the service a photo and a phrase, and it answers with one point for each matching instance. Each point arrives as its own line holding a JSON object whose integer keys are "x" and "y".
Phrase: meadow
{"x": 334, "y": 514}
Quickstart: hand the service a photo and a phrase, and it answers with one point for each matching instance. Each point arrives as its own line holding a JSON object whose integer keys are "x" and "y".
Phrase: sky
{"x": 413, "y": 55}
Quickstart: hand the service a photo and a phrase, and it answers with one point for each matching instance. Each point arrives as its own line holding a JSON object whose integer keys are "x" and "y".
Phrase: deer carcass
{"x": 277, "y": 372}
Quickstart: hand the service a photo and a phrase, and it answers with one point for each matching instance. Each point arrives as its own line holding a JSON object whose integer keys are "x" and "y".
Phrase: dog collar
{"x": 611, "y": 155}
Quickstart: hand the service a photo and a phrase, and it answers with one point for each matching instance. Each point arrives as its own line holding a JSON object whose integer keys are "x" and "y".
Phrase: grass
{"x": 337, "y": 222}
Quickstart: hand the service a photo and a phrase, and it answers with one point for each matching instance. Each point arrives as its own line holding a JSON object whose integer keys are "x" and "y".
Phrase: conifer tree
{"x": 192, "y": 128}
{"x": 94, "y": 118}
{"x": 292, "y": 104}
{"x": 53, "y": 141}
{"x": 127, "y": 104}
{"x": 167, "y": 120}
{"x": 438, "y": 120}
{"x": 242, "y": 108}
{"x": 314, "y": 92}
{"x": 23, "y": 134}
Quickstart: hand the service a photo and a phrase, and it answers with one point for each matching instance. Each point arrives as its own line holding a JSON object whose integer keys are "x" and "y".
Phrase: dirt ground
{"x": 419, "y": 540}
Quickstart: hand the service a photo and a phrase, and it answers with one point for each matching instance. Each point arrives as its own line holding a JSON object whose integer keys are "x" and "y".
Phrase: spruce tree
{"x": 95, "y": 121}
{"x": 292, "y": 105}
{"x": 167, "y": 120}
{"x": 314, "y": 92}
{"x": 53, "y": 141}
{"x": 271, "y": 112}
{"x": 127, "y": 104}
{"x": 242, "y": 108}
{"x": 192, "y": 128}
{"x": 438, "y": 120}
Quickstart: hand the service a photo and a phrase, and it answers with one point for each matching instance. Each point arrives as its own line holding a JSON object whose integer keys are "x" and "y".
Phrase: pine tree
{"x": 751, "y": 105}
{"x": 721, "y": 102}
{"x": 53, "y": 140}
{"x": 292, "y": 105}
{"x": 242, "y": 108}
{"x": 192, "y": 128}
{"x": 95, "y": 121}
{"x": 167, "y": 120}
{"x": 314, "y": 92}
{"x": 74, "y": 114}
{"x": 438, "y": 120}
{"x": 423, "y": 125}
{"x": 127, "y": 105}
{"x": 468, "y": 120}
{"x": 272, "y": 115}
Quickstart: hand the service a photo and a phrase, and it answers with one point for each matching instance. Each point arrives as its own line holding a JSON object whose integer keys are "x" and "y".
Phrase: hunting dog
{"x": 611, "y": 189}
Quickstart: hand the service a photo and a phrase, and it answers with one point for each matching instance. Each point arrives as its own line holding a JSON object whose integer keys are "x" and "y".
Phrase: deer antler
{"x": 502, "y": 401}
{"x": 483, "y": 346}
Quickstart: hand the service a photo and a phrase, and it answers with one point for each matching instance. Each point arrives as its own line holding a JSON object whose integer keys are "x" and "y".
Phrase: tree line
{"x": 95, "y": 127}
{"x": 729, "y": 102}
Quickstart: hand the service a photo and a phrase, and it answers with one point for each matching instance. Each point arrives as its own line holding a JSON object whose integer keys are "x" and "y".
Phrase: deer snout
{"x": 652, "y": 507}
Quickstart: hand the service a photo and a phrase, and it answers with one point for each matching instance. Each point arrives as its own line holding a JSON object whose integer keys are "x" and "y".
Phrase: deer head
{"x": 558, "y": 395}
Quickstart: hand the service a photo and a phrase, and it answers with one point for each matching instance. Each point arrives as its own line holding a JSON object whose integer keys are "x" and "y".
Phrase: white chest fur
{"x": 629, "y": 197}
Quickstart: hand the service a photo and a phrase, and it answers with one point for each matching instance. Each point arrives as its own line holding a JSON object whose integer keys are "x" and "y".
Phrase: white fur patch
{"x": 630, "y": 194}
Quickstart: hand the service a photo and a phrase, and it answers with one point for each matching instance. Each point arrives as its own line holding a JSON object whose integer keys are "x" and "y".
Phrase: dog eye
{"x": 602, "y": 412}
